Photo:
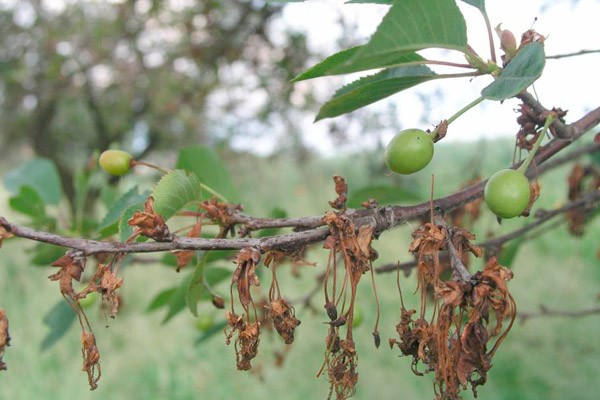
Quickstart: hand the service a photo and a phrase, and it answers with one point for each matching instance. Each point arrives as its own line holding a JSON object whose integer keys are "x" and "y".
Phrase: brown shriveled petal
{"x": 473, "y": 359}
{"x": 284, "y": 319}
{"x": 342, "y": 370}
{"x": 451, "y": 292}
{"x": 535, "y": 190}
{"x": 341, "y": 189}
{"x": 247, "y": 345}
{"x": 185, "y": 256}
{"x": 91, "y": 358}
{"x": 4, "y": 337}
{"x": 150, "y": 224}
{"x": 244, "y": 275}
{"x": 71, "y": 267}
{"x": 222, "y": 213}
{"x": 4, "y": 234}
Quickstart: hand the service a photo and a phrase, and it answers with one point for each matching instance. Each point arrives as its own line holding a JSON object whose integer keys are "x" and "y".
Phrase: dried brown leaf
{"x": 4, "y": 337}
{"x": 150, "y": 224}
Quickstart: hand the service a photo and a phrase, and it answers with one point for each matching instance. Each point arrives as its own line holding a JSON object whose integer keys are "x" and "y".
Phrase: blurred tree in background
{"x": 81, "y": 76}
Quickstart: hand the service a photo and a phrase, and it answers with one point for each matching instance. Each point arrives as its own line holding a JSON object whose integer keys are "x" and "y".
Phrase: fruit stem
{"x": 549, "y": 120}
{"x": 133, "y": 163}
{"x": 464, "y": 110}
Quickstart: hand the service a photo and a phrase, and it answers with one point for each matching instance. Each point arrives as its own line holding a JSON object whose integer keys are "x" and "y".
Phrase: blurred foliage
{"x": 81, "y": 76}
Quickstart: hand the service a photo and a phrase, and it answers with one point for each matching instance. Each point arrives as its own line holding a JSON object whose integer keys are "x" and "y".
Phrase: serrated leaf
{"x": 210, "y": 168}
{"x": 409, "y": 26}
{"x": 41, "y": 174}
{"x": 121, "y": 204}
{"x": 370, "y": 89}
{"x": 197, "y": 286}
{"x": 59, "y": 319}
{"x": 523, "y": 70}
{"x": 125, "y": 230}
{"x": 28, "y": 202}
{"x": 335, "y": 64}
{"x": 175, "y": 190}
{"x": 480, "y": 4}
{"x": 384, "y": 194}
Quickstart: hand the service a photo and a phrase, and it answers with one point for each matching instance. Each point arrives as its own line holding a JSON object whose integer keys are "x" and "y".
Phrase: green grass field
{"x": 544, "y": 358}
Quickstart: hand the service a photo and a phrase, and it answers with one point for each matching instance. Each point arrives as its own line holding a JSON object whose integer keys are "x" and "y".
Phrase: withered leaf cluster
{"x": 71, "y": 267}
{"x": 150, "y": 224}
{"x": 222, "y": 214}
{"x": 278, "y": 310}
{"x": 5, "y": 232}
{"x": 4, "y": 337}
{"x": 91, "y": 358}
{"x": 582, "y": 180}
{"x": 185, "y": 256}
{"x": 105, "y": 282}
{"x": 353, "y": 246}
{"x": 530, "y": 124}
{"x": 468, "y": 321}
{"x": 248, "y": 331}
{"x": 246, "y": 341}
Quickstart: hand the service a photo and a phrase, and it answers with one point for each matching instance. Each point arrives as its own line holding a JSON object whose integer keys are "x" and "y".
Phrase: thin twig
{"x": 546, "y": 312}
{"x": 574, "y": 54}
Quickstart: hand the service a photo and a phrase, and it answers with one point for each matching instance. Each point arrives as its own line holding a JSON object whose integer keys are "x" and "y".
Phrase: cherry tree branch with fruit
{"x": 451, "y": 334}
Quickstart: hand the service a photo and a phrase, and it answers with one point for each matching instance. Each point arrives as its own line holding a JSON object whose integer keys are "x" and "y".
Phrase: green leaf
{"x": 216, "y": 328}
{"x": 335, "y": 64}
{"x": 29, "y": 202}
{"x": 210, "y": 168}
{"x": 175, "y": 190}
{"x": 522, "y": 71}
{"x": 370, "y": 1}
{"x": 373, "y": 88}
{"x": 480, "y": 4}
{"x": 177, "y": 301}
{"x": 412, "y": 25}
{"x": 197, "y": 286}
{"x": 384, "y": 194}
{"x": 161, "y": 299}
{"x": 40, "y": 174}
{"x": 44, "y": 254}
{"x": 59, "y": 319}
{"x": 508, "y": 253}
{"x": 125, "y": 230}
{"x": 215, "y": 275}
{"x": 121, "y": 204}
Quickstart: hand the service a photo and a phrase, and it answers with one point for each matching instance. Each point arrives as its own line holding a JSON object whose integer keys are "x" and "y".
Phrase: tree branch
{"x": 309, "y": 229}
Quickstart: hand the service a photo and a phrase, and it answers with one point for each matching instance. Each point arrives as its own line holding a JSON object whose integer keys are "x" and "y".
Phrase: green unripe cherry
{"x": 115, "y": 162}
{"x": 89, "y": 300}
{"x": 507, "y": 193}
{"x": 204, "y": 322}
{"x": 409, "y": 151}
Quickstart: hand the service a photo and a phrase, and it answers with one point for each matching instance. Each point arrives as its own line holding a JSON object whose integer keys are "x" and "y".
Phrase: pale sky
{"x": 570, "y": 83}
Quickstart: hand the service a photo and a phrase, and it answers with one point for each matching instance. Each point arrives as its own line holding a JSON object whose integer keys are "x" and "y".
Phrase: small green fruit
{"x": 204, "y": 322}
{"x": 115, "y": 162}
{"x": 358, "y": 316}
{"x": 409, "y": 151}
{"x": 507, "y": 193}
